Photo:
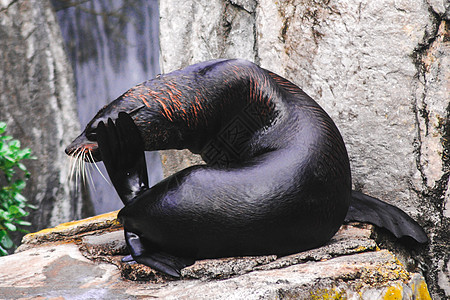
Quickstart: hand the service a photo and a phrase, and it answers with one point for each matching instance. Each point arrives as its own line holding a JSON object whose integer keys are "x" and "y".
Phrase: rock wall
{"x": 38, "y": 103}
{"x": 381, "y": 69}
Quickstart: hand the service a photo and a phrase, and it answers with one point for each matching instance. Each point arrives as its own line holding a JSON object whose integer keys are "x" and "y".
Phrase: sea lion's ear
{"x": 126, "y": 122}
{"x": 100, "y": 132}
{"x": 123, "y": 115}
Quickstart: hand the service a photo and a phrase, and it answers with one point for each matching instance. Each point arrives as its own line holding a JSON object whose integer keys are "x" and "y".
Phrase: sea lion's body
{"x": 277, "y": 178}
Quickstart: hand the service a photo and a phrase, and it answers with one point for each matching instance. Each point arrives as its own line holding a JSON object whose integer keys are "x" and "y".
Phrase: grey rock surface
{"x": 38, "y": 104}
{"x": 62, "y": 271}
{"x": 176, "y": 160}
{"x": 192, "y": 31}
{"x": 379, "y": 68}
{"x": 110, "y": 243}
{"x": 82, "y": 260}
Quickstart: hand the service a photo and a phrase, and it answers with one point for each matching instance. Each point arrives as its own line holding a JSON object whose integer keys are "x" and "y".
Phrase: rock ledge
{"x": 82, "y": 260}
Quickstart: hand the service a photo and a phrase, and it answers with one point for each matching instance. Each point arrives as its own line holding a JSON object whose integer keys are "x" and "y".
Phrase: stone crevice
{"x": 250, "y": 10}
{"x": 255, "y": 36}
{"x": 422, "y": 113}
{"x": 445, "y": 140}
{"x": 8, "y": 5}
{"x": 434, "y": 190}
{"x": 424, "y": 46}
{"x": 418, "y": 147}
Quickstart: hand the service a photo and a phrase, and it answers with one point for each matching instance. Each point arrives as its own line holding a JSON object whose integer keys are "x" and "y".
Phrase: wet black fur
{"x": 277, "y": 178}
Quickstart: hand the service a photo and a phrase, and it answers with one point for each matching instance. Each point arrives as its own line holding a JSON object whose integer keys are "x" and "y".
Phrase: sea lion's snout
{"x": 82, "y": 145}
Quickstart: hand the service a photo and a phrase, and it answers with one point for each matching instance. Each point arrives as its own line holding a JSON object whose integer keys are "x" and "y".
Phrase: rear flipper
{"x": 364, "y": 208}
{"x": 159, "y": 261}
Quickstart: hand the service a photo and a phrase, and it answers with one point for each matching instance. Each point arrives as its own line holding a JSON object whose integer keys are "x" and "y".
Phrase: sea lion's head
{"x": 86, "y": 143}
{"x": 157, "y": 115}
{"x": 186, "y": 108}
{"x": 143, "y": 104}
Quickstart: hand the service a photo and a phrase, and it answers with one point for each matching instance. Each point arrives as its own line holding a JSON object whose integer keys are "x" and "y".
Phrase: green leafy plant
{"x": 12, "y": 203}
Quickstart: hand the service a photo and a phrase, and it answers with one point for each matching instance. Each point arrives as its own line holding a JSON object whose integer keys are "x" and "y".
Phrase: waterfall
{"x": 113, "y": 45}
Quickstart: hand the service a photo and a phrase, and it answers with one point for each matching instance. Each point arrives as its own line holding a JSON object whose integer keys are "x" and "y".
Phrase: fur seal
{"x": 277, "y": 176}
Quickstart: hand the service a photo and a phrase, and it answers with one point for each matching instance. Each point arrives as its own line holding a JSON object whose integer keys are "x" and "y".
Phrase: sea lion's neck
{"x": 196, "y": 107}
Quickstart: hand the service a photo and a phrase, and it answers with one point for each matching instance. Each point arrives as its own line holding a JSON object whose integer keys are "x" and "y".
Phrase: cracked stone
{"x": 350, "y": 265}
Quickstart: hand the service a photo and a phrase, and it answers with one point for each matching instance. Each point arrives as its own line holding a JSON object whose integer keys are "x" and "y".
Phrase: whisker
{"x": 98, "y": 169}
{"x": 80, "y": 170}
{"x": 90, "y": 179}
{"x": 77, "y": 169}
{"x": 83, "y": 167}
{"x": 68, "y": 166}
{"x": 71, "y": 161}
{"x": 89, "y": 169}
{"x": 72, "y": 166}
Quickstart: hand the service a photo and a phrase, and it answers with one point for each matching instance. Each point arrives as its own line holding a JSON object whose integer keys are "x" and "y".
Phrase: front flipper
{"x": 159, "y": 261}
{"x": 122, "y": 151}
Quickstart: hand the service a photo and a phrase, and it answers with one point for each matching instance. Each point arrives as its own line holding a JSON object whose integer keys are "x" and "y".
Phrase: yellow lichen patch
{"x": 391, "y": 270}
{"x": 327, "y": 294}
{"x": 393, "y": 293}
{"x": 398, "y": 262}
{"x": 111, "y": 216}
{"x": 362, "y": 249}
{"x": 420, "y": 289}
{"x": 422, "y": 292}
{"x": 70, "y": 230}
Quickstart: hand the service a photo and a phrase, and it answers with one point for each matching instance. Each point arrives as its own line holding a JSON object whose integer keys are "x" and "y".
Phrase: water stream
{"x": 113, "y": 45}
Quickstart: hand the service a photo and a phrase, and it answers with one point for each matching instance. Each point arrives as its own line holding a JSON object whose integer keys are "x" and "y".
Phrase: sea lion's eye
{"x": 90, "y": 135}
